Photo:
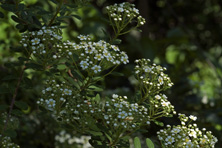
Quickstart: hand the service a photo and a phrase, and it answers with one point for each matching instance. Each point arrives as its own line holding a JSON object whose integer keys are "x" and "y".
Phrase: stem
{"x": 13, "y": 99}
{"x": 116, "y": 139}
{"x": 57, "y": 11}
{"x": 110, "y": 71}
{"x": 107, "y": 73}
{"x": 115, "y": 37}
{"x": 87, "y": 83}
{"x": 143, "y": 99}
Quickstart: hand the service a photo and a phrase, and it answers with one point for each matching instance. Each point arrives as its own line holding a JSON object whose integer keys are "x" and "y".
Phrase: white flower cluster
{"x": 160, "y": 103}
{"x": 95, "y": 56}
{"x": 5, "y": 142}
{"x": 54, "y": 96}
{"x": 119, "y": 113}
{"x": 64, "y": 137}
{"x": 116, "y": 113}
{"x": 125, "y": 12}
{"x": 186, "y": 135}
{"x": 151, "y": 77}
{"x": 41, "y": 42}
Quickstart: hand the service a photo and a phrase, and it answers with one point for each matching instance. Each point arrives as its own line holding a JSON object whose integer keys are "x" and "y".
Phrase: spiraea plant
{"x": 72, "y": 86}
{"x": 186, "y": 135}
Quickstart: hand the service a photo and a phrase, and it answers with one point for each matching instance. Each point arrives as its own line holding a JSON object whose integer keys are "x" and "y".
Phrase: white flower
{"x": 83, "y": 37}
{"x": 115, "y": 48}
{"x": 136, "y": 10}
{"x": 157, "y": 97}
{"x": 122, "y": 115}
{"x": 147, "y": 69}
{"x": 120, "y": 9}
{"x": 193, "y": 133}
{"x": 50, "y": 103}
{"x": 96, "y": 68}
{"x": 170, "y": 140}
{"x": 189, "y": 144}
{"x": 175, "y": 130}
{"x": 35, "y": 41}
{"x": 124, "y": 59}
{"x": 67, "y": 92}
{"x": 109, "y": 58}
{"x": 165, "y": 103}
{"x": 192, "y": 117}
{"x": 115, "y": 96}
{"x": 160, "y": 80}
{"x": 84, "y": 64}
{"x": 98, "y": 57}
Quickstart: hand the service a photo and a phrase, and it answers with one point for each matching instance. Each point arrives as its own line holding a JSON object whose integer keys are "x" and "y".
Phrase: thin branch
{"x": 13, "y": 99}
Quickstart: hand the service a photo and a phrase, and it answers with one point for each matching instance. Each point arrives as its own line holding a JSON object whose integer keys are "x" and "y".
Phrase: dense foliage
{"x": 76, "y": 73}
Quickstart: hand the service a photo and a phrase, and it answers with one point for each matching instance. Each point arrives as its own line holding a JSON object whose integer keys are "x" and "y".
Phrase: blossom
{"x": 35, "y": 41}
{"x": 170, "y": 140}
{"x": 124, "y": 59}
{"x": 96, "y": 68}
{"x": 165, "y": 103}
{"x": 67, "y": 92}
{"x": 192, "y": 117}
{"x": 160, "y": 80}
{"x": 98, "y": 57}
{"x": 157, "y": 97}
{"x": 115, "y": 96}
{"x": 50, "y": 103}
{"x": 84, "y": 64}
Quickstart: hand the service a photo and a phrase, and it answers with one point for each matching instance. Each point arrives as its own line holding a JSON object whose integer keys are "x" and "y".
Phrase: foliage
{"x": 58, "y": 82}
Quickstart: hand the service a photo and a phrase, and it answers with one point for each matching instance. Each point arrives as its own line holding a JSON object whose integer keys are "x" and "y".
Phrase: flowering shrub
{"x": 72, "y": 94}
{"x": 186, "y": 135}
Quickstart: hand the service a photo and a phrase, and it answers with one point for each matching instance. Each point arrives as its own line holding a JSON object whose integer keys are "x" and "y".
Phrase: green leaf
{"x": 36, "y": 21}
{"x": 9, "y": 7}
{"x": 16, "y": 19}
{"x": 76, "y": 16}
{"x": 54, "y": 1}
{"x": 95, "y": 88}
{"x": 33, "y": 66}
{"x": 17, "y": 112}
{"x": 94, "y": 128}
{"x": 75, "y": 57}
{"x": 22, "y": 59}
{"x": 73, "y": 82}
{"x": 94, "y": 133}
{"x": 117, "y": 41}
{"x": 97, "y": 78}
{"x": 22, "y": 105}
{"x": 117, "y": 74}
{"x": 97, "y": 98}
{"x": 110, "y": 138}
{"x": 137, "y": 143}
{"x": 2, "y": 15}
{"x": 3, "y": 107}
{"x": 149, "y": 143}
{"x": 21, "y": 7}
{"x": 139, "y": 30}
{"x": 61, "y": 67}
{"x": 159, "y": 123}
{"x": 19, "y": 26}
{"x": 10, "y": 133}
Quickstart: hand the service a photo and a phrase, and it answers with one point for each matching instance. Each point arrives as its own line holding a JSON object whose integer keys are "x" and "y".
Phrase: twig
{"x": 57, "y": 11}
{"x": 13, "y": 99}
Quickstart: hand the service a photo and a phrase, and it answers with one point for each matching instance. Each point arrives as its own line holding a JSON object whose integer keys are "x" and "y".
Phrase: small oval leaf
{"x": 149, "y": 143}
{"x": 137, "y": 143}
